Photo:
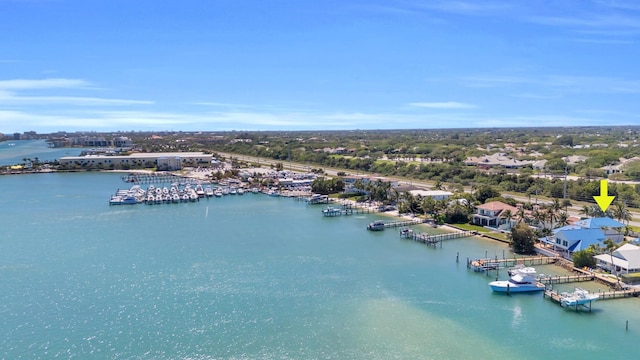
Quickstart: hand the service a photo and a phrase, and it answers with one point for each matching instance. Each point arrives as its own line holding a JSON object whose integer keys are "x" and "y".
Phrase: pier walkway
{"x": 485, "y": 264}
{"x": 415, "y": 221}
{"x": 435, "y": 239}
{"x": 549, "y": 280}
{"x": 346, "y": 209}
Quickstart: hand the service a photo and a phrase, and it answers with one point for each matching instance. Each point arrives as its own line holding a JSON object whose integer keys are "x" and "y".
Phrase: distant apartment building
{"x": 91, "y": 141}
{"x": 161, "y": 161}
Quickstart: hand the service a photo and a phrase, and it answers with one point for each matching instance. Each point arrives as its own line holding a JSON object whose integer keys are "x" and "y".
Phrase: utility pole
{"x": 565, "y": 183}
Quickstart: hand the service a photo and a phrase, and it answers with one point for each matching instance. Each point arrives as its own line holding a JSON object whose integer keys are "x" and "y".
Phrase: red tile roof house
{"x": 492, "y": 214}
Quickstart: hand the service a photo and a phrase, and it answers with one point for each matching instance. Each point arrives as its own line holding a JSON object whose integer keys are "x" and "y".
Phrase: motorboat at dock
{"x": 377, "y": 225}
{"x": 521, "y": 281}
{"x": 578, "y": 297}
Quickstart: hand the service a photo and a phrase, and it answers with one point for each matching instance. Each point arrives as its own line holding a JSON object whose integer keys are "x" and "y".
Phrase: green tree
{"x": 609, "y": 247}
{"x": 485, "y": 192}
{"x": 621, "y": 213}
{"x": 508, "y": 216}
{"x": 583, "y": 258}
{"x": 522, "y": 239}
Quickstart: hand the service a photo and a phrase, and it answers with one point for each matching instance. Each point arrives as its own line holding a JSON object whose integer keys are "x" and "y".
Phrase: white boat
{"x": 123, "y": 200}
{"x": 199, "y": 190}
{"x": 208, "y": 191}
{"x": 578, "y": 297}
{"x": 521, "y": 269}
{"x": 519, "y": 282}
{"x": 377, "y": 225}
{"x": 233, "y": 191}
{"x": 240, "y": 191}
{"x": 255, "y": 190}
{"x": 406, "y": 233}
{"x": 483, "y": 265}
{"x": 332, "y": 211}
{"x": 218, "y": 192}
{"x": 317, "y": 199}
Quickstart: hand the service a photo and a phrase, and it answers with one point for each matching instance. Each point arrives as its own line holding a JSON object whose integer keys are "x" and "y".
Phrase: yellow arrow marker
{"x": 604, "y": 200}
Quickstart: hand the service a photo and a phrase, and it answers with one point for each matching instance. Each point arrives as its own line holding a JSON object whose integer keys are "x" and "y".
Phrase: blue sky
{"x": 109, "y": 65}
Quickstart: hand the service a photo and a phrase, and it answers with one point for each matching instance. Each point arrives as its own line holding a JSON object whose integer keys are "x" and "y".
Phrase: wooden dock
{"x": 346, "y": 209}
{"x": 415, "y": 221}
{"x": 511, "y": 262}
{"x": 549, "y": 280}
{"x": 438, "y": 238}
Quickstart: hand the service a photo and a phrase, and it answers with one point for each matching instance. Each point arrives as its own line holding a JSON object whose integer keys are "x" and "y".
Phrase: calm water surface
{"x": 14, "y": 151}
{"x": 258, "y": 277}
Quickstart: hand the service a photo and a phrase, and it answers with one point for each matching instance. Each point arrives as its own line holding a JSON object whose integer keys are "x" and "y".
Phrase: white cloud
{"x": 472, "y": 8}
{"x": 17, "y": 121}
{"x": 566, "y": 83}
{"x": 442, "y": 105}
{"x": 24, "y": 84}
{"x": 8, "y": 98}
{"x": 11, "y": 93}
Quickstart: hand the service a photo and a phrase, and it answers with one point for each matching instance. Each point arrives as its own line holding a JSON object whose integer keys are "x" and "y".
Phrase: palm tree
{"x": 538, "y": 217}
{"x": 552, "y": 216}
{"x": 563, "y": 219}
{"x": 508, "y": 215}
{"x": 586, "y": 211}
{"x": 621, "y": 213}
{"x": 610, "y": 247}
{"x": 428, "y": 205}
{"x": 521, "y": 215}
{"x": 394, "y": 195}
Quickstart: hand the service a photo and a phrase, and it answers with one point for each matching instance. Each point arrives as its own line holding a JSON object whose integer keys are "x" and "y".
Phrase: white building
{"x": 626, "y": 259}
{"x": 435, "y": 194}
{"x": 174, "y": 161}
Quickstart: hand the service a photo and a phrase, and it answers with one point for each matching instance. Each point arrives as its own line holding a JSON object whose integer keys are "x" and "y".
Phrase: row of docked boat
{"x": 176, "y": 193}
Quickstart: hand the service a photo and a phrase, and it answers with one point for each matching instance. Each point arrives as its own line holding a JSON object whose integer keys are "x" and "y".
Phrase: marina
{"x": 171, "y": 189}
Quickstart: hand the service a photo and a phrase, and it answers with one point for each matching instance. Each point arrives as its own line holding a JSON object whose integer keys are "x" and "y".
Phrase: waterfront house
{"x": 579, "y": 236}
{"x": 434, "y": 194}
{"x": 492, "y": 214}
{"x": 626, "y": 259}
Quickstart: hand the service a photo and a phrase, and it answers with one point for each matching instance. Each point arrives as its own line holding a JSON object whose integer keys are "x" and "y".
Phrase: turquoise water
{"x": 258, "y": 277}
{"x": 14, "y": 151}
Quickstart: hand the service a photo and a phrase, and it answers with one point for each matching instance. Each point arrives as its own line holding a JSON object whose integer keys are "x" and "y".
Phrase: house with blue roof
{"x": 599, "y": 223}
{"x": 579, "y": 236}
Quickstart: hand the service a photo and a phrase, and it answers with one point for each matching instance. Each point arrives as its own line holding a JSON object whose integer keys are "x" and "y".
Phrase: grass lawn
{"x": 471, "y": 227}
{"x": 482, "y": 230}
